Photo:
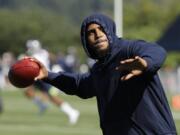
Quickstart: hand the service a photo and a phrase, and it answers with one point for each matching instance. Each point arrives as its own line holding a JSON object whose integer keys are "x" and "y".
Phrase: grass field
{"x": 20, "y": 117}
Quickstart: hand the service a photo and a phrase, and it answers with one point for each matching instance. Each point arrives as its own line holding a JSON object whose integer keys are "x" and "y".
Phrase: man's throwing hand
{"x": 43, "y": 72}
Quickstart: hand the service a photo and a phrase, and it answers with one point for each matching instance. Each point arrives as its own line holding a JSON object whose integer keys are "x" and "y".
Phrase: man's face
{"x": 97, "y": 39}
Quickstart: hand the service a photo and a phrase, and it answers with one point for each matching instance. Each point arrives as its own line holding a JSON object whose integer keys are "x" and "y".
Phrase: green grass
{"x": 176, "y": 115}
{"x": 20, "y": 117}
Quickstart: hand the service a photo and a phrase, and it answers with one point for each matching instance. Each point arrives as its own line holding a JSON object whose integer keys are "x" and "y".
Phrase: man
{"x": 130, "y": 97}
{"x": 35, "y": 50}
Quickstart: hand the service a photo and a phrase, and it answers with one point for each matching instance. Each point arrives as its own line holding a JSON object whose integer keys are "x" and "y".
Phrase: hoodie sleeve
{"x": 154, "y": 54}
{"x": 72, "y": 84}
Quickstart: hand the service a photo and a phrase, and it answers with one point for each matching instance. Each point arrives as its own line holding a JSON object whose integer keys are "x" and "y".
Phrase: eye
{"x": 101, "y": 29}
{"x": 90, "y": 32}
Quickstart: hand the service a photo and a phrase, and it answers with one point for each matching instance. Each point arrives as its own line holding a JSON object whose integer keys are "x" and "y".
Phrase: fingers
{"x": 132, "y": 63}
{"x": 126, "y": 64}
{"x": 38, "y": 78}
{"x": 34, "y": 60}
{"x": 136, "y": 58}
{"x": 26, "y": 57}
{"x": 42, "y": 75}
{"x": 37, "y": 61}
{"x": 126, "y": 77}
{"x": 143, "y": 62}
{"x": 127, "y": 61}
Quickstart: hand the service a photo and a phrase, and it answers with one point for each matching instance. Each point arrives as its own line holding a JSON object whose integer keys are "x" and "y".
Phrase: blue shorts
{"x": 42, "y": 86}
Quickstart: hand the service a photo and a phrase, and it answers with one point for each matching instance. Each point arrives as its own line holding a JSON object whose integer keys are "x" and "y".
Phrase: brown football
{"x": 23, "y": 72}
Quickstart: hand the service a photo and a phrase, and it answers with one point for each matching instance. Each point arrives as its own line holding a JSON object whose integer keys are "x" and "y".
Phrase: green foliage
{"x": 173, "y": 59}
{"x": 57, "y": 22}
{"x": 17, "y": 27}
{"x": 147, "y": 19}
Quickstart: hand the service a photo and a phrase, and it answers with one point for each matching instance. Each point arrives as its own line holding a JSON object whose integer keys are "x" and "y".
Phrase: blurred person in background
{"x": 35, "y": 50}
{"x": 1, "y": 79}
{"x": 7, "y": 61}
{"x": 1, "y": 105}
{"x": 84, "y": 68}
{"x": 2, "y": 83}
{"x": 71, "y": 60}
{"x": 1, "y": 87}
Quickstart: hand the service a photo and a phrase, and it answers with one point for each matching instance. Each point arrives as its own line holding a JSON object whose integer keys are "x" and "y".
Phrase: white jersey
{"x": 43, "y": 56}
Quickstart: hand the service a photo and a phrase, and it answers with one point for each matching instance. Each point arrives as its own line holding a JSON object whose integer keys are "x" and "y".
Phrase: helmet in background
{"x": 33, "y": 46}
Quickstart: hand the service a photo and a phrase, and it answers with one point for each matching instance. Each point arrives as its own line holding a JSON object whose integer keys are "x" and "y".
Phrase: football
{"x": 23, "y": 72}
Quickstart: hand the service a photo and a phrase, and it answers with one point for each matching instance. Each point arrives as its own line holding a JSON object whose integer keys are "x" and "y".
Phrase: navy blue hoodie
{"x": 134, "y": 107}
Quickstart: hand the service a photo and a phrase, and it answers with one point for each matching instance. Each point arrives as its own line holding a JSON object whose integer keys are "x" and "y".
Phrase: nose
{"x": 98, "y": 33}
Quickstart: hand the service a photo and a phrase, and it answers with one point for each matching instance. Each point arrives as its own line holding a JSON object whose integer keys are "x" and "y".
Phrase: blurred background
{"x": 55, "y": 24}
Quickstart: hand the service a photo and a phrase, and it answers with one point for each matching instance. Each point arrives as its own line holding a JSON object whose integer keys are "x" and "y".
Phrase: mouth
{"x": 100, "y": 42}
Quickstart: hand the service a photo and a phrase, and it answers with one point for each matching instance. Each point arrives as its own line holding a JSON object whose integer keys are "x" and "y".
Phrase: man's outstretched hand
{"x": 133, "y": 67}
{"x": 43, "y": 72}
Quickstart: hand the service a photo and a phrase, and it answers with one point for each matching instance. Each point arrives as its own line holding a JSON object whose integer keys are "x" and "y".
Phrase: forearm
{"x": 63, "y": 81}
{"x": 72, "y": 84}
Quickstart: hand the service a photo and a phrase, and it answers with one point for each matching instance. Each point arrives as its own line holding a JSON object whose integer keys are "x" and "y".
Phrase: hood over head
{"x": 109, "y": 28}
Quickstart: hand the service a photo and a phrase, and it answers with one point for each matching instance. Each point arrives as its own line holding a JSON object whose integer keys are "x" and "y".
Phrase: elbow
{"x": 163, "y": 55}
{"x": 156, "y": 60}
{"x": 161, "y": 51}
